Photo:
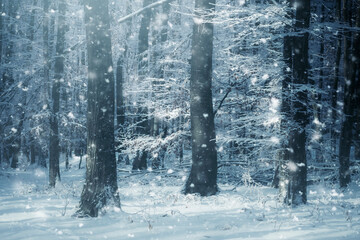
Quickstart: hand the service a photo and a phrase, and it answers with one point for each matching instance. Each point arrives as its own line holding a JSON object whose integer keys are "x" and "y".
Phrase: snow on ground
{"x": 154, "y": 208}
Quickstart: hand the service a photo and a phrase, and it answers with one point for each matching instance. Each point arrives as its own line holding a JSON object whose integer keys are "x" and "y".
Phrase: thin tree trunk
{"x": 349, "y": 104}
{"x": 54, "y": 165}
{"x": 120, "y": 101}
{"x": 203, "y": 174}
{"x": 334, "y": 94}
{"x": 156, "y": 122}
{"x": 143, "y": 126}
{"x": 32, "y": 152}
{"x": 15, "y": 141}
{"x": 357, "y": 95}
{"x": 120, "y": 109}
{"x": 46, "y": 51}
{"x": 1, "y": 39}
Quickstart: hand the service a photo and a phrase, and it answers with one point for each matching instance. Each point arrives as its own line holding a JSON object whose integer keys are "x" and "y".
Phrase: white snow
{"x": 153, "y": 207}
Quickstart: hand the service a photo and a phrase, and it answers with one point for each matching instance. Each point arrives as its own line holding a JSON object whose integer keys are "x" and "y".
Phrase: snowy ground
{"x": 154, "y": 208}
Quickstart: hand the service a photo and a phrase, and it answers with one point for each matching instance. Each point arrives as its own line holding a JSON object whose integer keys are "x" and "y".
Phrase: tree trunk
{"x": 357, "y": 95}
{"x": 334, "y": 94}
{"x": 293, "y": 166}
{"x": 32, "y": 152}
{"x": 298, "y": 165}
{"x": 46, "y": 52}
{"x": 1, "y": 39}
{"x": 281, "y": 177}
{"x": 101, "y": 179}
{"x": 1, "y": 78}
{"x": 143, "y": 127}
{"x": 120, "y": 109}
{"x": 8, "y": 78}
{"x": 54, "y": 165}
{"x": 281, "y": 174}
{"x": 349, "y": 100}
{"x": 203, "y": 175}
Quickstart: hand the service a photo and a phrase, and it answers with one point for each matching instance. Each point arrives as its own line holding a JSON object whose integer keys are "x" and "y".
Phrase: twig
{"x": 222, "y": 101}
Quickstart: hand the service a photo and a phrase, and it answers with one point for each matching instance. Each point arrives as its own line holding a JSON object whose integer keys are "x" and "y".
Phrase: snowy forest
{"x": 179, "y": 119}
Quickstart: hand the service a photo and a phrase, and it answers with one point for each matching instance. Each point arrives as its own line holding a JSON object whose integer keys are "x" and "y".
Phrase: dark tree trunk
{"x": 297, "y": 167}
{"x": 47, "y": 65}
{"x": 203, "y": 175}
{"x": 120, "y": 105}
{"x": 293, "y": 166}
{"x": 1, "y": 38}
{"x": 101, "y": 179}
{"x": 143, "y": 126}
{"x": 281, "y": 175}
{"x": 8, "y": 78}
{"x": 357, "y": 94}
{"x": 144, "y": 38}
{"x": 32, "y": 152}
{"x": 317, "y": 97}
{"x": 67, "y": 153}
{"x": 298, "y": 174}
{"x": 158, "y": 83}
{"x": 120, "y": 109}
{"x": 54, "y": 151}
{"x": 334, "y": 94}
{"x": 46, "y": 51}
{"x": 1, "y": 79}
{"x": 349, "y": 99}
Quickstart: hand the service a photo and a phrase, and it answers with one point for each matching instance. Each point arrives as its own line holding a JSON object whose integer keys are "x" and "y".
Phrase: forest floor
{"x": 154, "y": 208}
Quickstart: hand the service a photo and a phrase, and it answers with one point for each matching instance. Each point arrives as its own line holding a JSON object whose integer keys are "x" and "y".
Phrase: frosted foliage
{"x": 251, "y": 131}
{"x": 248, "y": 58}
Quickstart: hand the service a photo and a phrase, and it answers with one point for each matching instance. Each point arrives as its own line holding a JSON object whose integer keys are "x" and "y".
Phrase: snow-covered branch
{"x": 131, "y": 15}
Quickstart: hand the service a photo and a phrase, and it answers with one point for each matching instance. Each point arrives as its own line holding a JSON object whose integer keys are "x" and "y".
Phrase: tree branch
{"x": 222, "y": 101}
{"x": 123, "y": 19}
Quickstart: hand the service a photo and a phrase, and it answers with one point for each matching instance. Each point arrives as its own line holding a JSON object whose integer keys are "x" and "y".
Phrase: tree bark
{"x": 293, "y": 165}
{"x": 349, "y": 99}
{"x": 1, "y": 38}
{"x": 203, "y": 175}
{"x": 101, "y": 178}
{"x": 281, "y": 176}
{"x": 54, "y": 165}
{"x": 120, "y": 109}
{"x": 8, "y": 78}
{"x": 334, "y": 94}
{"x": 357, "y": 95}
{"x": 143, "y": 126}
